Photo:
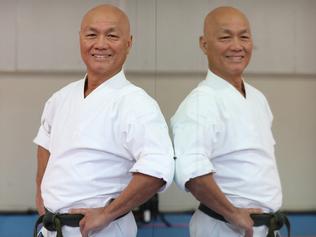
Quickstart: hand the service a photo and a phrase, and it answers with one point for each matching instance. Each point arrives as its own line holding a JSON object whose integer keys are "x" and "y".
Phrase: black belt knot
{"x": 274, "y": 221}
{"x": 55, "y": 221}
{"x": 278, "y": 220}
{"x": 51, "y": 221}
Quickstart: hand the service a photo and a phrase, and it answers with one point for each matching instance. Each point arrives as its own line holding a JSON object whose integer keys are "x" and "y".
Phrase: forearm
{"x": 205, "y": 189}
{"x": 139, "y": 190}
{"x": 42, "y": 160}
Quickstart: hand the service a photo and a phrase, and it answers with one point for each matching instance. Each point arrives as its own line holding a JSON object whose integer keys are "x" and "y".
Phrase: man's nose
{"x": 102, "y": 42}
{"x": 236, "y": 44}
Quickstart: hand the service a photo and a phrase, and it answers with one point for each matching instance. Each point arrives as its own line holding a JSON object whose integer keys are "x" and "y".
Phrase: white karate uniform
{"x": 218, "y": 130}
{"x": 97, "y": 142}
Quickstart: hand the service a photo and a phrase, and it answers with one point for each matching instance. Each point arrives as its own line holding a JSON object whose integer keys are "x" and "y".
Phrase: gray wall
{"x": 40, "y": 54}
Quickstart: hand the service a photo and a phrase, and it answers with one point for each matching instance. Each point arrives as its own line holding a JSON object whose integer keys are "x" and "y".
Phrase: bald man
{"x": 103, "y": 144}
{"x": 223, "y": 140}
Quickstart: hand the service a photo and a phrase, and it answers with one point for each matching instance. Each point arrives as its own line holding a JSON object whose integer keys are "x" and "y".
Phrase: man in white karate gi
{"x": 103, "y": 144}
{"x": 223, "y": 141}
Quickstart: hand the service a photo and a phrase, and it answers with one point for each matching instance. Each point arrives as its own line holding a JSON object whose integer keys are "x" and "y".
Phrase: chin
{"x": 237, "y": 70}
{"x": 101, "y": 69}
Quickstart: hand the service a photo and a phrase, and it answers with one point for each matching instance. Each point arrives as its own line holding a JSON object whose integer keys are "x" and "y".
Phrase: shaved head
{"x": 110, "y": 12}
{"x": 221, "y": 16}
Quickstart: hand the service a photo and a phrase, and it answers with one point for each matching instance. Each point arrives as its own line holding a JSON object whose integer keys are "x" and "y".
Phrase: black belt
{"x": 55, "y": 221}
{"x": 274, "y": 221}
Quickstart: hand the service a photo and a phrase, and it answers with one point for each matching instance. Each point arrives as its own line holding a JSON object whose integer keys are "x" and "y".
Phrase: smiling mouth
{"x": 235, "y": 58}
{"x": 101, "y": 56}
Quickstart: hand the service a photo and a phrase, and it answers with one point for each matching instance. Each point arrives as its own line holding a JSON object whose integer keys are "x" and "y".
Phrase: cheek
{"x": 219, "y": 50}
{"x": 83, "y": 51}
{"x": 86, "y": 45}
{"x": 120, "y": 46}
{"x": 249, "y": 47}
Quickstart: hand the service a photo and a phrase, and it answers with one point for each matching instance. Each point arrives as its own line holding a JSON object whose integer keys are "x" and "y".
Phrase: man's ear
{"x": 129, "y": 43}
{"x": 203, "y": 44}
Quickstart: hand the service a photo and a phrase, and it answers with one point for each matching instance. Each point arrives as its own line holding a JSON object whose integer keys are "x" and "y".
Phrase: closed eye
{"x": 245, "y": 37}
{"x": 112, "y": 36}
{"x": 224, "y": 37}
{"x": 90, "y": 35}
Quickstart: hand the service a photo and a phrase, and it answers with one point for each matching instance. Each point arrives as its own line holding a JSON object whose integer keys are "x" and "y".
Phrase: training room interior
{"x": 39, "y": 47}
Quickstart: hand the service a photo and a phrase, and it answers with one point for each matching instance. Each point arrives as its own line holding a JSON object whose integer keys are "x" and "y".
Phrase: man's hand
{"x": 94, "y": 219}
{"x": 241, "y": 219}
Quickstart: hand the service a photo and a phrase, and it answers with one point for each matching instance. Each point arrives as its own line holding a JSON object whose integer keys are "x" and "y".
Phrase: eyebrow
{"x": 240, "y": 32}
{"x": 91, "y": 28}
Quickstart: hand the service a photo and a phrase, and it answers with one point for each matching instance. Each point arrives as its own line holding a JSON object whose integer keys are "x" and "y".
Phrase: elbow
{"x": 157, "y": 184}
{"x": 197, "y": 185}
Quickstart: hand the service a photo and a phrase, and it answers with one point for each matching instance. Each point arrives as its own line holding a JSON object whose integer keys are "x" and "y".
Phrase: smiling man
{"x": 103, "y": 144}
{"x": 223, "y": 140}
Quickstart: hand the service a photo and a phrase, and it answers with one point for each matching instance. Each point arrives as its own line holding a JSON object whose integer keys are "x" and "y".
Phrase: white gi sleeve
{"x": 269, "y": 112}
{"x": 194, "y": 133}
{"x": 43, "y": 136}
{"x": 147, "y": 139}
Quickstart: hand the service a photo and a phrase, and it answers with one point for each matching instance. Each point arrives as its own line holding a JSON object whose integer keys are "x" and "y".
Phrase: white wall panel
{"x": 179, "y": 25}
{"x": 142, "y": 17}
{"x": 305, "y": 32}
{"x": 49, "y": 34}
{"x": 8, "y": 35}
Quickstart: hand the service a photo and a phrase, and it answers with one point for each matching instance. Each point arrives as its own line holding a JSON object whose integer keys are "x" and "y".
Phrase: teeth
{"x": 235, "y": 58}
{"x": 103, "y": 56}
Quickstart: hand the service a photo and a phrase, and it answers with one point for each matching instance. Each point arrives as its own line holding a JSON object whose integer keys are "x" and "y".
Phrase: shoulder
{"x": 202, "y": 97}
{"x": 202, "y": 94}
{"x": 257, "y": 94}
{"x": 135, "y": 101}
{"x": 200, "y": 105}
{"x": 64, "y": 91}
{"x": 58, "y": 97}
{"x": 261, "y": 100}
{"x": 69, "y": 88}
